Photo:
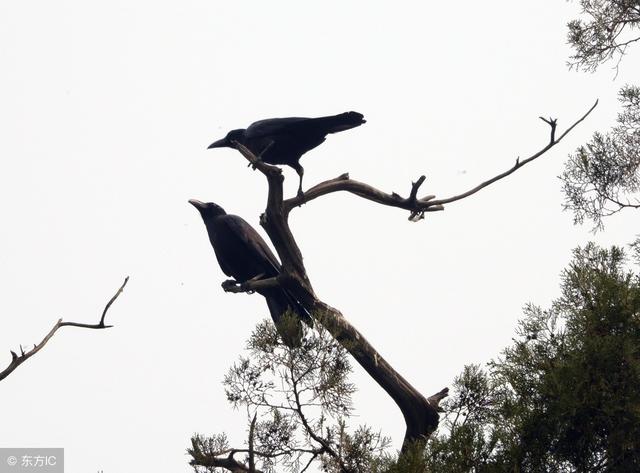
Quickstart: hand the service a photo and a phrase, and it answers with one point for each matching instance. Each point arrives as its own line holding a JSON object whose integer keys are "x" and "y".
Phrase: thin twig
{"x": 17, "y": 360}
{"x": 519, "y": 163}
{"x": 418, "y": 206}
{"x": 306, "y": 467}
{"x": 112, "y": 300}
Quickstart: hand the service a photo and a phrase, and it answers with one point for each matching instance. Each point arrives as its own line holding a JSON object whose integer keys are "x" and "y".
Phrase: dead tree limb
{"x": 17, "y": 360}
{"x": 252, "y": 461}
{"x": 417, "y": 206}
{"x": 220, "y": 456}
{"x": 420, "y": 413}
{"x": 228, "y": 463}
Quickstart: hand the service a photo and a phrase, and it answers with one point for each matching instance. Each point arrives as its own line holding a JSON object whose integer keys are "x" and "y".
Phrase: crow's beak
{"x": 197, "y": 204}
{"x": 219, "y": 144}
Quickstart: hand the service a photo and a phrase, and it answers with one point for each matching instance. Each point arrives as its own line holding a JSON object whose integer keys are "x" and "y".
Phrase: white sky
{"x": 106, "y": 109}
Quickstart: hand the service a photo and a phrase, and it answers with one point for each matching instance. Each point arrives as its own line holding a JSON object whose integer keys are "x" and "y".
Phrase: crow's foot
{"x": 229, "y": 285}
{"x": 254, "y": 164}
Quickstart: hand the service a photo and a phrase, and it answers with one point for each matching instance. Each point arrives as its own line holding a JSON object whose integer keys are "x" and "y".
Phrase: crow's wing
{"x": 253, "y": 252}
{"x": 296, "y": 125}
{"x": 274, "y": 126}
{"x": 250, "y": 242}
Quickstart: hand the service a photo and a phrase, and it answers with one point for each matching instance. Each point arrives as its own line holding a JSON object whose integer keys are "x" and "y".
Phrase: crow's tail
{"x": 280, "y": 303}
{"x": 341, "y": 122}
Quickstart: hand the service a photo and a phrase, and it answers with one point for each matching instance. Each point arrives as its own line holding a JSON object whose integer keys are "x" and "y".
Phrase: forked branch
{"x": 274, "y": 219}
{"x": 421, "y": 417}
{"x": 17, "y": 360}
{"x": 420, "y": 413}
{"x": 361, "y": 189}
{"x": 552, "y": 142}
{"x": 428, "y": 203}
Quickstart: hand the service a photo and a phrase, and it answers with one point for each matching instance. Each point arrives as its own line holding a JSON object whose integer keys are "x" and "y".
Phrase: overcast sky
{"x": 106, "y": 110}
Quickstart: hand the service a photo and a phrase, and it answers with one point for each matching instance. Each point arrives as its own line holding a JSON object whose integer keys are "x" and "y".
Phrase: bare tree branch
{"x": 418, "y": 206}
{"x": 552, "y": 142}
{"x": 17, "y": 360}
{"x": 420, "y": 413}
{"x": 274, "y": 220}
{"x": 420, "y": 416}
{"x": 252, "y": 428}
{"x": 228, "y": 463}
{"x": 435, "y": 399}
{"x": 344, "y": 183}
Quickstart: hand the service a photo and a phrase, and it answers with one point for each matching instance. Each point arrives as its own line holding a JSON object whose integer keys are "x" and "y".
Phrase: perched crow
{"x": 244, "y": 255}
{"x": 285, "y": 140}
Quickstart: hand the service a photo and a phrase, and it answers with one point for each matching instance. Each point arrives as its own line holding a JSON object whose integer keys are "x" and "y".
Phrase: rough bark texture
{"x": 17, "y": 360}
{"x": 421, "y": 416}
{"x": 420, "y": 413}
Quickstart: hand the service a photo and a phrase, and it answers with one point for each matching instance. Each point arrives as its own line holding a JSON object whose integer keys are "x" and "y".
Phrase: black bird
{"x": 244, "y": 255}
{"x": 285, "y": 140}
